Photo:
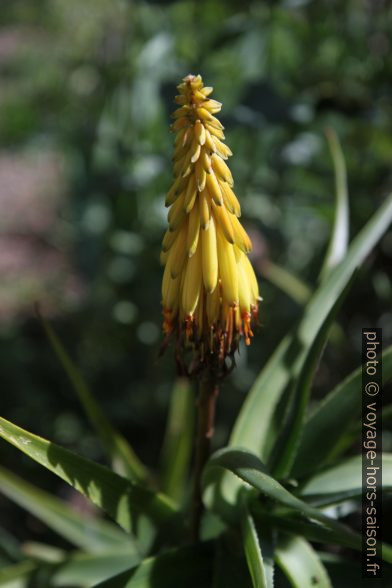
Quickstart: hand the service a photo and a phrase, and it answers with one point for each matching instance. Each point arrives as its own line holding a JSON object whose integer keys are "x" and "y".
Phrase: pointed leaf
{"x": 84, "y": 531}
{"x": 178, "y": 441}
{"x": 343, "y": 481}
{"x": 66, "y": 569}
{"x": 86, "y": 570}
{"x": 337, "y": 247}
{"x": 251, "y": 470}
{"x": 286, "y": 446}
{"x": 9, "y": 545}
{"x": 286, "y": 282}
{"x": 254, "y": 427}
{"x": 285, "y": 519}
{"x": 16, "y": 575}
{"x": 300, "y": 563}
{"x": 77, "y": 568}
{"x": 117, "y": 496}
{"x": 44, "y": 552}
{"x": 117, "y": 447}
{"x": 332, "y": 418}
{"x": 262, "y": 576}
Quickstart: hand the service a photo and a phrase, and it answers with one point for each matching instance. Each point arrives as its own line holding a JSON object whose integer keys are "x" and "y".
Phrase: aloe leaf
{"x": 337, "y": 247}
{"x": 178, "y": 440}
{"x": 68, "y": 569}
{"x": 120, "y": 498}
{"x": 44, "y": 552}
{"x": 255, "y": 428}
{"x": 300, "y": 563}
{"x": 286, "y": 445}
{"x": 86, "y": 570}
{"x": 251, "y": 470}
{"x": 186, "y": 566}
{"x": 121, "y": 453}
{"x": 343, "y": 481}
{"x": 261, "y": 574}
{"x": 288, "y": 520}
{"x": 332, "y": 418}
{"x": 16, "y": 575}
{"x": 86, "y": 532}
{"x": 287, "y": 282}
{"x": 9, "y": 545}
{"x": 79, "y": 568}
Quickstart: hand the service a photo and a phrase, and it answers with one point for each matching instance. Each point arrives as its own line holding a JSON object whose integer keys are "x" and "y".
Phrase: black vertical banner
{"x": 371, "y": 453}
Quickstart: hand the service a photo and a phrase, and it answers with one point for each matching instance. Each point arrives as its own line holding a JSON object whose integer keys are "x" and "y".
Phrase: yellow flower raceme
{"x": 209, "y": 290}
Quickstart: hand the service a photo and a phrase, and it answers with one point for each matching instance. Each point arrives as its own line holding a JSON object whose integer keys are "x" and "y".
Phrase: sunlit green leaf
{"x": 331, "y": 419}
{"x": 337, "y": 247}
{"x": 300, "y": 563}
{"x": 68, "y": 569}
{"x": 251, "y": 470}
{"x": 81, "y": 530}
{"x": 80, "y": 569}
{"x": 343, "y": 481}
{"x": 76, "y": 568}
{"x": 117, "y": 496}
{"x": 44, "y": 552}
{"x": 16, "y": 575}
{"x": 262, "y": 575}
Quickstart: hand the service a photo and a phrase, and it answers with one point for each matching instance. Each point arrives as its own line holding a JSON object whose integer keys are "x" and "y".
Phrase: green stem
{"x": 208, "y": 394}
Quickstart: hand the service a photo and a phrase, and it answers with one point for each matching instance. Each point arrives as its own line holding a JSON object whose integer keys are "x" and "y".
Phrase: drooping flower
{"x": 209, "y": 290}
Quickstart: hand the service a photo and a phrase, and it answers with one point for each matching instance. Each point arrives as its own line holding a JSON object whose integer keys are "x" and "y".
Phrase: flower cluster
{"x": 209, "y": 291}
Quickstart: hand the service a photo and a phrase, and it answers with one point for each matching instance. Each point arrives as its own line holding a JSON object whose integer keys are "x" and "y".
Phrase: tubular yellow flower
{"x": 209, "y": 290}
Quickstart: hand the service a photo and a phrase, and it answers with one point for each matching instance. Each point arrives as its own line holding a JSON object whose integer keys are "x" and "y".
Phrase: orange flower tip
{"x": 246, "y": 317}
{"x": 167, "y": 326}
{"x": 189, "y": 325}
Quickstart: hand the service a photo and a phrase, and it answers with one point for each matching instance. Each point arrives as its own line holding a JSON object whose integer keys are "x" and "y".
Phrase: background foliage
{"x": 86, "y": 90}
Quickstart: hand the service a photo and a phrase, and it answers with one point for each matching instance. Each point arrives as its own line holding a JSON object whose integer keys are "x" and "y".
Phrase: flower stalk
{"x": 210, "y": 294}
{"x": 207, "y": 398}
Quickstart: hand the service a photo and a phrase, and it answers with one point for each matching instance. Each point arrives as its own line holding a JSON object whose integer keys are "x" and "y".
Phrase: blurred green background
{"x": 86, "y": 92}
